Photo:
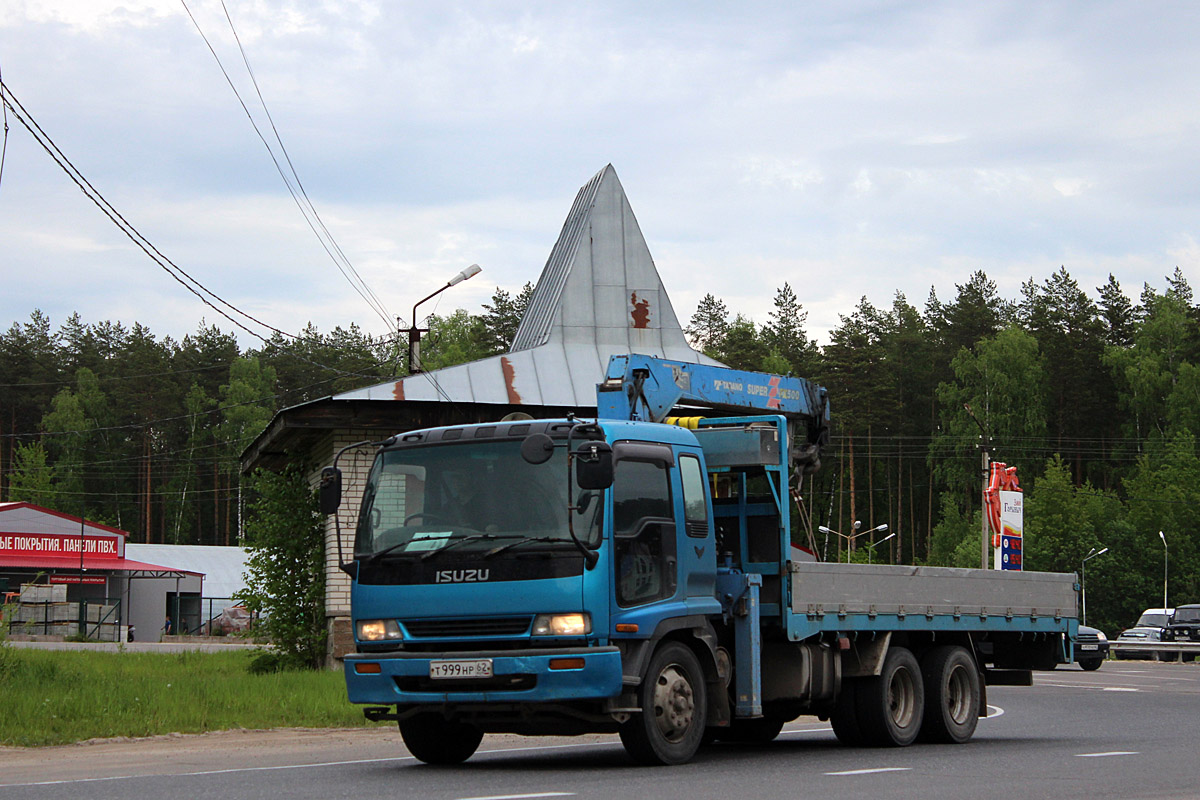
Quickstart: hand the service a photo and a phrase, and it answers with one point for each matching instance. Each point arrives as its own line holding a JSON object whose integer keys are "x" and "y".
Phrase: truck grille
{"x": 1090, "y": 638}
{"x": 457, "y": 628}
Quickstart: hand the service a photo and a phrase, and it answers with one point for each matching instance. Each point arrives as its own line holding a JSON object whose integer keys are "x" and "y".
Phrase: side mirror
{"x": 331, "y": 490}
{"x": 594, "y": 465}
{"x": 537, "y": 448}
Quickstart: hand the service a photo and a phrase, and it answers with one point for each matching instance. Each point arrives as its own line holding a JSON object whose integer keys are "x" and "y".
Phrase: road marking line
{"x": 521, "y": 796}
{"x": 870, "y": 771}
{"x": 233, "y": 770}
{"x": 1104, "y": 755}
{"x": 1089, "y": 688}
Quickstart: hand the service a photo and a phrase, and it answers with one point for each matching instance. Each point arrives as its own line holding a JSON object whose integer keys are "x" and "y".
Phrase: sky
{"x": 849, "y": 149}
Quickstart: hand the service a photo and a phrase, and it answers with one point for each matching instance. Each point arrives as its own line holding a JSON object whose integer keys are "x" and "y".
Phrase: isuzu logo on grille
{"x": 461, "y": 575}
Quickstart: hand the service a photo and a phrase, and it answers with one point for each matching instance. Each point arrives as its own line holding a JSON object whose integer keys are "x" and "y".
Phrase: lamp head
{"x": 469, "y": 272}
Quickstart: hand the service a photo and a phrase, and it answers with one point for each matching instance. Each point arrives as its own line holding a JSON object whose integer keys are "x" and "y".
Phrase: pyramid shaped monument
{"x": 598, "y": 295}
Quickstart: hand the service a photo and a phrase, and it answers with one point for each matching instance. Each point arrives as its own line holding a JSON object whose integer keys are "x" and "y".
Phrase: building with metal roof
{"x": 89, "y": 563}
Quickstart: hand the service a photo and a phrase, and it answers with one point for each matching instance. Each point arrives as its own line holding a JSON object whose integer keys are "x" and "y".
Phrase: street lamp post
{"x": 871, "y": 547}
{"x": 850, "y": 537}
{"x": 1083, "y": 577}
{"x": 414, "y": 333}
{"x": 1162, "y": 536}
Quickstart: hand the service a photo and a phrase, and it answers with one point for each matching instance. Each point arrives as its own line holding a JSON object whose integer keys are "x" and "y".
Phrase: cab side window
{"x": 695, "y": 502}
{"x": 644, "y": 532}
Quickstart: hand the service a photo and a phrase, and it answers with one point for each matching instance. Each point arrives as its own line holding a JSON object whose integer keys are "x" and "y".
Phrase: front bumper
{"x": 520, "y": 676}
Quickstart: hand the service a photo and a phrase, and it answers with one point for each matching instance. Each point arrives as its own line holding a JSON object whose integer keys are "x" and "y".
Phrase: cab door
{"x": 646, "y": 563}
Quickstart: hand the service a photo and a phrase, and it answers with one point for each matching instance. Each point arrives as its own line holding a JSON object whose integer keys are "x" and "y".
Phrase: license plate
{"x": 1089, "y": 647}
{"x": 461, "y": 668}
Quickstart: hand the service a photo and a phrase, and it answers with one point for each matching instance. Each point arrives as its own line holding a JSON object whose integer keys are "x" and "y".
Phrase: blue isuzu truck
{"x": 622, "y": 574}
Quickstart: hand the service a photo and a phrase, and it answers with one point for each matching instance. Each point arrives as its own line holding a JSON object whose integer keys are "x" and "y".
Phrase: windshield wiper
{"x": 398, "y": 545}
{"x": 497, "y": 550}
{"x": 478, "y": 537}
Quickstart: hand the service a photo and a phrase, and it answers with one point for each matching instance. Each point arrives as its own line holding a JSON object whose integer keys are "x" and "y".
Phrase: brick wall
{"x": 355, "y": 465}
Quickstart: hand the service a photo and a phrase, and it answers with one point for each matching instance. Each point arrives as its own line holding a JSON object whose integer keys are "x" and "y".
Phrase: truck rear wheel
{"x": 844, "y": 717}
{"x": 891, "y": 705}
{"x": 436, "y": 740}
{"x": 674, "y": 705}
{"x": 951, "y": 695}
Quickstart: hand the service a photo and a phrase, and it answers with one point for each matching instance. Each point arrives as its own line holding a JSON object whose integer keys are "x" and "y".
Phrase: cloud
{"x": 848, "y": 149}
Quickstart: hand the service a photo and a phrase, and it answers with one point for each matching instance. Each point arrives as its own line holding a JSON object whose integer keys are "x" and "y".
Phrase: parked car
{"x": 1091, "y": 647}
{"x": 1155, "y": 618}
{"x": 1184, "y": 627}
{"x": 1150, "y": 627}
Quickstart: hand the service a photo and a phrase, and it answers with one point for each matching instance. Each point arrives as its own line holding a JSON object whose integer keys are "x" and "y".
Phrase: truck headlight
{"x": 1100, "y": 635}
{"x": 378, "y": 630}
{"x": 562, "y": 625}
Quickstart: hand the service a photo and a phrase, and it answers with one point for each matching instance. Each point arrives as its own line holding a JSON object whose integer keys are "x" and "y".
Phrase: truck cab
{"x": 489, "y": 575}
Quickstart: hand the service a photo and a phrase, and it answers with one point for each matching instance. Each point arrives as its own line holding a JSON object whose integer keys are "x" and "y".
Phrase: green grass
{"x": 59, "y": 696}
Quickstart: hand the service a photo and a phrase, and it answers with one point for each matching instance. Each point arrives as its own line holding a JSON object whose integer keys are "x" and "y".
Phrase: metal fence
{"x": 94, "y": 619}
{"x": 1159, "y": 651}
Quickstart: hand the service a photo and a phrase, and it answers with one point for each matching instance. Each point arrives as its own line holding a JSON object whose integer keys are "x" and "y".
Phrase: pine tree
{"x": 1116, "y": 312}
{"x": 785, "y": 334}
{"x": 501, "y": 318}
{"x": 709, "y": 326}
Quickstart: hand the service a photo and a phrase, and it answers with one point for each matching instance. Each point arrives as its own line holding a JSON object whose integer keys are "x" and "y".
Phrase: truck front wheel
{"x": 436, "y": 740}
{"x": 892, "y": 704}
{"x": 674, "y": 707}
{"x": 951, "y": 695}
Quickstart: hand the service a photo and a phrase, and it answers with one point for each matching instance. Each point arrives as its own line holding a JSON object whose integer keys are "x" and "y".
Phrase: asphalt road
{"x": 1128, "y": 730}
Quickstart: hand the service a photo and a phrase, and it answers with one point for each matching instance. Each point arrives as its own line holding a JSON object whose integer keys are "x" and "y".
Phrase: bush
{"x": 285, "y": 570}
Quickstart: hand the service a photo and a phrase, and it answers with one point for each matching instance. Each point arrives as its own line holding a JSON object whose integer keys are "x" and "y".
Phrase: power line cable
{"x": 364, "y": 291}
{"x": 177, "y": 273}
{"x": 377, "y": 305}
{"x": 4, "y": 146}
{"x": 110, "y": 378}
{"x": 152, "y": 422}
{"x": 172, "y": 269}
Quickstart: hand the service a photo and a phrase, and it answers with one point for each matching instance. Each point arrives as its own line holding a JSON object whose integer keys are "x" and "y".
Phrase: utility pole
{"x": 985, "y": 449}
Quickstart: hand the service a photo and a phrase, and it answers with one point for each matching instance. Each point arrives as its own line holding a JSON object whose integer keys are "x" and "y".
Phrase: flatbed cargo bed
{"x": 840, "y": 597}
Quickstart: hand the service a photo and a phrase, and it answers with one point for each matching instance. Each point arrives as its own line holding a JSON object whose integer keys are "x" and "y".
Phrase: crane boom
{"x": 641, "y": 387}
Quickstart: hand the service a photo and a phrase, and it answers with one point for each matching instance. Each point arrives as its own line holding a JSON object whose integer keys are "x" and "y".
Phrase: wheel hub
{"x": 674, "y": 703}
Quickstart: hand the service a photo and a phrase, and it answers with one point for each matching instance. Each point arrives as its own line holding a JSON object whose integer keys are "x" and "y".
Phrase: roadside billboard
{"x": 1006, "y": 517}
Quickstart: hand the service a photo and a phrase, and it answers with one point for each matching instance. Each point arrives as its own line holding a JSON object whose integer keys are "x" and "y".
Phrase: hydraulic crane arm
{"x": 639, "y": 387}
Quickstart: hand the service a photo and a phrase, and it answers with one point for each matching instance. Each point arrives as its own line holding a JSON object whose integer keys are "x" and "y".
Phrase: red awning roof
{"x": 94, "y": 565}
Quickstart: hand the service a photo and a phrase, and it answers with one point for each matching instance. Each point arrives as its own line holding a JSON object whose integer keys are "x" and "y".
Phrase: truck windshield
{"x": 477, "y": 496}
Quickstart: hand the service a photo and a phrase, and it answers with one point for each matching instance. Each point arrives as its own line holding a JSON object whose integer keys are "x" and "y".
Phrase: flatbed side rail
{"x": 839, "y": 597}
